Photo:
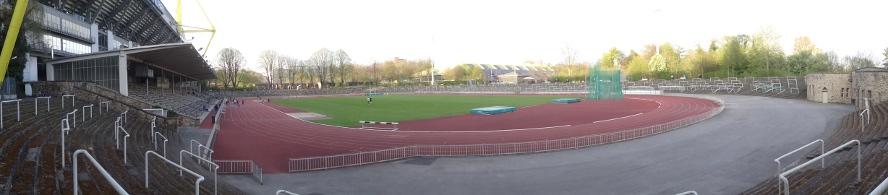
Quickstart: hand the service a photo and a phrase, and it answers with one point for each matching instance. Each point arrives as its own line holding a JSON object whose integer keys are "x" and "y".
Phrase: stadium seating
{"x": 839, "y": 177}
{"x": 31, "y": 158}
{"x": 189, "y": 103}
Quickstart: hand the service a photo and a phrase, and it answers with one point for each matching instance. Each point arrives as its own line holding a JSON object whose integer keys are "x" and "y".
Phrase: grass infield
{"x": 347, "y": 111}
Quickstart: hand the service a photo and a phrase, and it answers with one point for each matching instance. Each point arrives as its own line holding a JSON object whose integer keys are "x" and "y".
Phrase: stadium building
{"x": 118, "y": 44}
{"x": 496, "y": 73}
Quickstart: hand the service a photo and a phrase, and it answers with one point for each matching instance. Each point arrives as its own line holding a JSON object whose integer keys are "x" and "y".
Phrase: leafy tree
{"x": 733, "y": 56}
{"x": 657, "y": 63}
{"x": 607, "y": 60}
{"x": 803, "y": 43}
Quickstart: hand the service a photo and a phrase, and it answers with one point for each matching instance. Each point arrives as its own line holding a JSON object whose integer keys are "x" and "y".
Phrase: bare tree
{"x": 293, "y": 66}
{"x": 231, "y": 61}
{"x": 321, "y": 62}
{"x": 344, "y": 64}
{"x": 282, "y": 63}
{"x": 268, "y": 60}
{"x": 570, "y": 58}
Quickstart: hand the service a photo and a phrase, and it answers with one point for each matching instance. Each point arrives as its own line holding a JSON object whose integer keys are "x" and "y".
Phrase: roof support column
{"x": 121, "y": 71}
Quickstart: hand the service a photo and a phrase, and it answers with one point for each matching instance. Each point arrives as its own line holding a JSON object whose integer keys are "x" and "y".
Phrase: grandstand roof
{"x": 144, "y": 21}
{"x": 180, "y": 58}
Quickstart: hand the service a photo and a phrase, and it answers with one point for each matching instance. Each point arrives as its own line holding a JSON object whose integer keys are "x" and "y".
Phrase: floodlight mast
{"x": 181, "y": 27}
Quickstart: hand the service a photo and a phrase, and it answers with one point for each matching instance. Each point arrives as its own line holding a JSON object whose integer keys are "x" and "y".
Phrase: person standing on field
{"x": 369, "y": 100}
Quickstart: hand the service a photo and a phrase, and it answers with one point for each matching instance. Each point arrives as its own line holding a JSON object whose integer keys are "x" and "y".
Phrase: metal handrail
{"x": 196, "y": 182}
{"x": 99, "y": 167}
{"x": 65, "y": 128}
{"x": 164, "y": 142}
{"x": 822, "y": 161}
{"x": 120, "y": 128}
{"x": 74, "y": 114}
{"x": 215, "y": 170}
{"x": 688, "y": 193}
{"x": 782, "y": 176}
{"x": 881, "y": 188}
{"x": 37, "y": 100}
{"x": 279, "y": 192}
{"x": 861, "y": 119}
{"x": 18, "y": 114}
{"x": 63, "y": 100}
{"x": 83, "y": 114}
{"x": 106, "y": 103}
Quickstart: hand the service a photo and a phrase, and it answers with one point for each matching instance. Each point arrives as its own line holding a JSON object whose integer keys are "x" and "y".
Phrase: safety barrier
{"x": 63, "y": 100}
{"x": 83, "y": 114}
{"x": 862, "y": 124}
{"x": 279, "y": 192}
{"x": 73, "y": 114}
{"x": 200, "y": 178}
{"x": 688, "y": 193}
{"x": 117, "y": 140}
{"x": 17, "y": 111}
{"x": 99, "y": 167}
{"x": 343, "y": 160}
{"x": 106, "y": 103}
{"x": 880, "y": 190}
{"x": 164, "y": 142}
{"x": 37, "y": 101}
{"x": 153, "y": 125}
{"x": 240, "y": 167}
{"x": 199, "y": 146}
{"x": 215, "y": 170}
{"x": 785, "y": 181}
{"x": 822, "y": 161}
{"x": 65, "y": 128}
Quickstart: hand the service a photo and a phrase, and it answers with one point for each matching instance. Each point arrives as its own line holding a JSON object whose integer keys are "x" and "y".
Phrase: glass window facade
{"x": 103, "y": 71}
{"x": 61, "y": 44}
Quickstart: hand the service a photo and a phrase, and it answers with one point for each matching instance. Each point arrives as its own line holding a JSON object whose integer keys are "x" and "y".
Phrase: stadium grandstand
{"x": 101, "y": 69}
{"x": 514, "y": 73}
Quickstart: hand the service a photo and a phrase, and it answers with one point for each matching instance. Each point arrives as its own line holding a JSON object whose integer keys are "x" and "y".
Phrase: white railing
{"x": 240, "y": 167}
{"x": 117, "y": 140}
{"x": 688, "y": 193}
{"x": 18, "y": 116}
{"x": 196, "y": 182}
{"x": 63, "y": 100}
{"x": 99, "y": 167}
{"x": 65, "y": 128}
{"x": 73, "y": 114}
{"x": 106, "y": 103}
{"x": 785, "y": 181}
{"x": 862, "y": 125}
{"x": 215, "y": 170}
{"x": 37, "y": 100}
{"x": 164, "y": 142}
{"x": 279, "y": 192}
{"x": 124, "y": 115}
{"x": 822, "y": 161}
{"x": 153, "y": 125}
{"x": 83, "y": 114}
{"x": 880, "y": 190}
{"x": 199, "y": 146}
{"x": 343, "y": 160}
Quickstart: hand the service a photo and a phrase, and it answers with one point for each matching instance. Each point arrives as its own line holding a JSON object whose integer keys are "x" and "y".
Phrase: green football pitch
{"x": 347, "y": 111}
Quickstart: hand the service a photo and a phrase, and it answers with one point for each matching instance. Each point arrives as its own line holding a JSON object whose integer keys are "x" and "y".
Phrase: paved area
{"x": 723, "y": 155}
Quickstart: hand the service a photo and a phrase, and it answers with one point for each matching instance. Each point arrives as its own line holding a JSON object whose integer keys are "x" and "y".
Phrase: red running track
{"x": 269, "y": 137}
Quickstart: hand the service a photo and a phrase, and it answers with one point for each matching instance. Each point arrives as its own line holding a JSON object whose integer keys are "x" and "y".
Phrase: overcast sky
{"x": 510, "y": 32}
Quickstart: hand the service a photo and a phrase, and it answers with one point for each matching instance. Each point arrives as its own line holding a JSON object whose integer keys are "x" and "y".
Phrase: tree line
{"x": 325, "y": 68}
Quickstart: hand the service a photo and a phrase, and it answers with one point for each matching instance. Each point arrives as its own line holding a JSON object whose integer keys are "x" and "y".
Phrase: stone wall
{"x": 90, "y": 92}
{"x": 838, "y": 87}
{"x": 871, "y": 83}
